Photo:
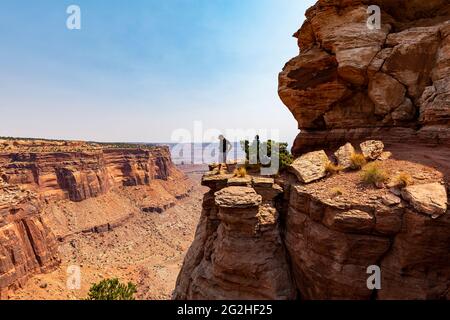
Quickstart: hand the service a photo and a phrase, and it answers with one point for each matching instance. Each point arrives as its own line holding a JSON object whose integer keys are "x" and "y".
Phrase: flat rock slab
{"x": 310, "y": 167}
{"x": 263, "y": 182}
{"x": 237, "y": 197}
{"x": 240, "y": 181}
{"x": 211, "y": 180}
{"x": 430, "y": 199}
{"x": 372, "y": 149}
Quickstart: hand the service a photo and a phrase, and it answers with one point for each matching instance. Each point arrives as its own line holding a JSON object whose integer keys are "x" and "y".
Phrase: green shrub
{"x": 112, "y": 289}
{"x": 284, "y": 156}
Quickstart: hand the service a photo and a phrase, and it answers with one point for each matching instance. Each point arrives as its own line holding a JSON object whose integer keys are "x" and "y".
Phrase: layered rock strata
{"x": 238, "y": 252}
{"x": 27, "y": 245}
{"x": 256, "y": 241}
{"x": 79, "y": 175}
{"x": 36, "y": 176}
{"x": 351, "y": 83}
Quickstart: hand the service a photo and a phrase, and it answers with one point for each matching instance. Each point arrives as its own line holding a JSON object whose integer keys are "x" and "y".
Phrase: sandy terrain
{"x": 148, "y": 250}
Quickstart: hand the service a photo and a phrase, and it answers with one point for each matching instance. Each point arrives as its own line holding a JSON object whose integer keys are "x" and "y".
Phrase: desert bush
{"x": 332, "y": 168}
{"x": 402, "y": 180}
{"x": 285, "y": 158}
{"x": 112, "y": 289}
{"x": 358, "y": 161}
{"x": 240, "y": 172}
{"x": 373, "y": 174}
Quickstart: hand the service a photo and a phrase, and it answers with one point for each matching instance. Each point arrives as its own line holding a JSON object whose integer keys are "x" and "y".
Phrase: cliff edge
{"x": 360, "y": 96}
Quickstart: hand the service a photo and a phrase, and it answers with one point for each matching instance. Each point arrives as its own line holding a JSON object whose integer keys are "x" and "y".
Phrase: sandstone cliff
{"x": 353, "y": 83}
{"x": 237, "y": 252}
{"x": 260, "y": 238}
{"x": 51, "y": 190}
{"x": 317, "y": 238}
{"x": 81, "y": 172}
{"x": 27, "y": 246}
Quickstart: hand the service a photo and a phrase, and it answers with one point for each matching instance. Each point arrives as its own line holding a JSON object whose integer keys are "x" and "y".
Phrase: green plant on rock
{"x": 112, "y": 289}
{"x": 261, "y": 154}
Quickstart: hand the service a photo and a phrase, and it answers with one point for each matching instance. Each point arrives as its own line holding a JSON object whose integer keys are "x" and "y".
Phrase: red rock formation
{"x": 353, "y": 83}
{"x": 85, "y": 174}
{"x": 348, "y": 84}
{"x": 33, "y": 172}
{"x": 27, "y": 246}
{"x": 237, "y": 252}
{"x": 331, "y": 245}
{"x": 253, "y": 243}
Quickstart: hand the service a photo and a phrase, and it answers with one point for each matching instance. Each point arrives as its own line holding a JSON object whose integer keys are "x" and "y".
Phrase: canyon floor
{"x": 148, "y": 250}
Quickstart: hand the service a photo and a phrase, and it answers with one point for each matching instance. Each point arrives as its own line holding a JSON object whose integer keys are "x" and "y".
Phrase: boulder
{"x": 390, "y": 199}
{"x": 385, "y": 155}
{"x": 310, "y": 167}
{"x": 386, "y": 92}
{"x": 430, "y": 199}
{"x": 372, "y": 149}
{"x": 344, "y": 154}
{"x": 351, "y": 221}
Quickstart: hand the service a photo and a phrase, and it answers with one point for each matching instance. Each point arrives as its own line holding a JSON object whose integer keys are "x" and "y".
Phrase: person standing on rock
{"x": 224, "y": 148}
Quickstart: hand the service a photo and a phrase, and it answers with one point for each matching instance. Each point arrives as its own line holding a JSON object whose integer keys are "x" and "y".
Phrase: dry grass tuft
{"x": 358, "y": 161}
{"x": 240, "y": 172}
{"x": 402, "y": 180}
{"x": 333, "y": 169}
{"x": 373, "y": 174}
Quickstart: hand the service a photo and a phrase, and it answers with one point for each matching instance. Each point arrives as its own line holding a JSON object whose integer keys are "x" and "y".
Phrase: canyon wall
{"x": 79, "y": 175}
{"x": 265, "y": 238}
{"x": 237, "y": 252}
{"x": 27, "y": 246}
{"x": 35, "y": 176}
{"x": 315, "y": 238}
{"x": 351, "y": 83}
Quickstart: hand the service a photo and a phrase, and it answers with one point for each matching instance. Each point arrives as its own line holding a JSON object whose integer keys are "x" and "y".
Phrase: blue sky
{"x": 138, "y": 70}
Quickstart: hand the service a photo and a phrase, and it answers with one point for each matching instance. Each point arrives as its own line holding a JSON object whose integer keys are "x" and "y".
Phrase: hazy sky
{"x": 138, "y": 70}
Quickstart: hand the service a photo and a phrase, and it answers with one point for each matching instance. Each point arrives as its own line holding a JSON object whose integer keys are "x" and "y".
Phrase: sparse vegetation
{"x": 336, "y": 191}
{"x": 358, "y": 161}
{"x": 402, "y": 180}
{"x": 263, "y": 152}
{"x": 333, "y": 169}
{"x": 240, "y": 172}
{"x": 112, "y": 289}
{"x": 373, "y": 174}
